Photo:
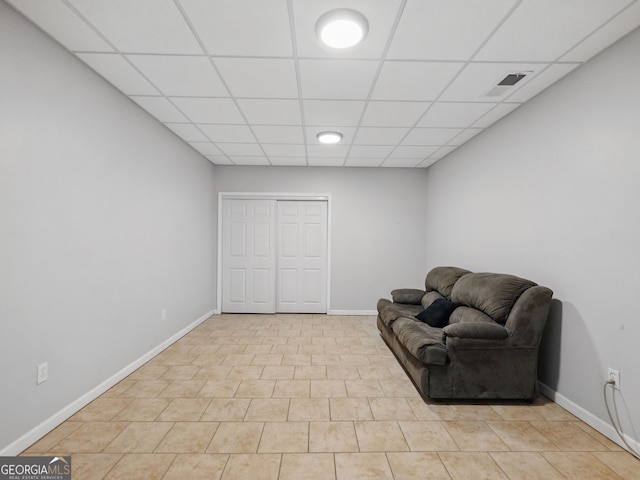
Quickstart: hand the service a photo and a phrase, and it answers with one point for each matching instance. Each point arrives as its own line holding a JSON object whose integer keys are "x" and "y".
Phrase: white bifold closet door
{"x": 274, "y": 256}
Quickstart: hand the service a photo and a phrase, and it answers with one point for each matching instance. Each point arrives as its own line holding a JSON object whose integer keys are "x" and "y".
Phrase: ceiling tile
{"x": 541, "y": 81}
{"x": 251, "y": 76}
{"x": 430, "y": 136}
{"x": 181, "y": 75}
{"x": 270, "y": 112}
{"x": 399, "y": 80}
{"x": 249, "y": 160}
{"x": 141, "y": 26}
{"x": 187, "y": 132}
{"x": 209, "y": 110}
{"x": 430, "y": 32}
{"x": 543, "y": 30}
{"x": 241, "y": 27}
{"x": 609, "y": 33}
{"x": 206, "y": 148}
{"x": 325, "y": 162}
{"x": 379, "y": 136}
{"x": 401, "y": 162}
{"x": 458, "y": 115}
{"x": 464, "y": 136}
{"x": 475, "y": 81}
{"x": 337, "y": 79}
{"x": 278, "y": 134}
{"x": 370, "y": 151}
{"x": 259, "y": 77}
{"x": 161, "y": 108}
{"x": 413, "y": 151}
{"x": 115, "y": 69}
{"x": 363, "y": 162}
{"x": 283, "y": 150}
{"x": 327, "y": 151}
{"x": 59, "y": 21}
{"x": 332, "y": 112}
{"x": 288, "y": 161}
{"x": 219, "y": 160}
{"x": 241, "y": 149}
{"x": 442, "y": 152}
{"x": 393, "y": 114}
{"x": 496, "y": 114}
{"x": 427, "y": 163}
{"x": 379, "y": 15}
{"x": 228, "y": 133}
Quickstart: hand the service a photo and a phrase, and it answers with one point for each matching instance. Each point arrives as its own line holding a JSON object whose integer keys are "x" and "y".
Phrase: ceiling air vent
{"x": 505, "y": 84}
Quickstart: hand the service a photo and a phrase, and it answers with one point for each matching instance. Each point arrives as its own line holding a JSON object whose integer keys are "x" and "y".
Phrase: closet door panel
{"x": 302, "y": 256}
{"x": 248, "y": 256}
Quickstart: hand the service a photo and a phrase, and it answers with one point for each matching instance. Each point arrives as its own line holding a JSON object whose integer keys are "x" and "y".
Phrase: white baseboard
{"x": 56, "y": 419}
{"x": 587, "y": 417}
{"x": 352, "y": 312}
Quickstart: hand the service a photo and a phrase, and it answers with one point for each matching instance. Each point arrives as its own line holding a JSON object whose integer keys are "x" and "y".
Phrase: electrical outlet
{"x": 164, "y": 314}
{"x": 43, "y": 373}
{"x": 614, "y": 376}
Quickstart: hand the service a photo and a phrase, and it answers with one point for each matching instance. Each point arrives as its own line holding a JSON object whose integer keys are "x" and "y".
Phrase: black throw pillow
{"x": 437, "y": 314}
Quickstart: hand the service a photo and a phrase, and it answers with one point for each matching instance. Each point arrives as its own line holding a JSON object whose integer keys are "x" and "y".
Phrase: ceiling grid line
{"x": 604, "y": 24}
{"x": 558, "y": 61}
{"x": 376, "y": 76}
{"x": 296, "y": 64}
{"x": 122, "y": 55}
{"x": 482, "y": 44}
{"x": 222, "y": 80}
{"x": 245, "y": 82}
{"x": 93, "y": 28}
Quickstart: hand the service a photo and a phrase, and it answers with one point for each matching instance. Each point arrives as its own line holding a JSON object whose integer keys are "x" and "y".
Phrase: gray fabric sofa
{"x": 488, "y": 350}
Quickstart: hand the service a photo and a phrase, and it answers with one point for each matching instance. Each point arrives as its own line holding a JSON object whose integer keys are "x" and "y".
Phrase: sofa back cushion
{"x": 442, "y": 280}
{"x": 492, "y": 293}
{"x": 430, "y": 297}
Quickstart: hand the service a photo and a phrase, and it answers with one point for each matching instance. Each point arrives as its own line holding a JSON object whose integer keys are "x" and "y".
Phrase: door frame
{"x": 270, "y": 196}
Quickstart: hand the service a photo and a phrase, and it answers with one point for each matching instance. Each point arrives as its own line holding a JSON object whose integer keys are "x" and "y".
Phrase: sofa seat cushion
{"x": 389, "y": 312}
{"x": 422, "y": 341}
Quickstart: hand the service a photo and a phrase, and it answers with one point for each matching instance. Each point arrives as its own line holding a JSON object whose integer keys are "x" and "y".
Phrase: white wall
{"x": 105, "y": 219}
{"x": 552, "y": 193}
{"x": 377, "y": 224}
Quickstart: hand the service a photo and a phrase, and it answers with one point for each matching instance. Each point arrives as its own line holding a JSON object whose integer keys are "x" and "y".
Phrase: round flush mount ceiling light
{"x": 342, "y": 28}
{"x": 329, "y": 138}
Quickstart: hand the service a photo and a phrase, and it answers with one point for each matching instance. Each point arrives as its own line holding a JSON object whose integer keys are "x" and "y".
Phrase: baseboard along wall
{"x": 56, "y": 419}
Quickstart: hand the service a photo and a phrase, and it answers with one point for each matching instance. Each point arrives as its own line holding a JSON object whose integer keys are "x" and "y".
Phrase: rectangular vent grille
{"x": 505, "y": 84}
{"x": 512, "y": 79}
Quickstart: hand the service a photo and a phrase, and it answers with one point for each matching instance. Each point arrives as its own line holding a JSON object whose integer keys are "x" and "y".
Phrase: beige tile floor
{"x": 313, "y": 397}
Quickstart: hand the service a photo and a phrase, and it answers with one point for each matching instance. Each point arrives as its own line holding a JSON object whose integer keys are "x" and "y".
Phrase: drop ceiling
{"x": 245, "y": 82}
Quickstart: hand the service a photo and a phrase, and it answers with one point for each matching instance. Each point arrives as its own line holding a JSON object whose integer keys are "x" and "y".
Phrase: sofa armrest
{"x": 476, "y": 330}
{"x": 411, "y": 296}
